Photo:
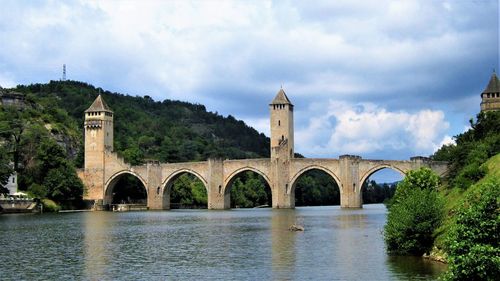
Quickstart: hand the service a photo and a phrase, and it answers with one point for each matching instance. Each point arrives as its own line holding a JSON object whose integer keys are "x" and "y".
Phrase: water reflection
{"x": 414, "y": 268}
{"x": 350, "y": 233}
{"x": 283, "y": 244}
{"x": 252, "y": 244}
{"x": 96, "y": 242}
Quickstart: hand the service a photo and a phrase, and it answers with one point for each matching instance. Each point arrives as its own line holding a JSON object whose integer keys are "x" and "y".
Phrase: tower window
{"x": 279, "y": 123}
{"x": 282, "y": 137}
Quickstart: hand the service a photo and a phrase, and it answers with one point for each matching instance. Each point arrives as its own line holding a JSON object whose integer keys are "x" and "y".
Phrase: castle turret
{"x": 98, "y": 133}
{"x": 490, "y": 97}
{"x": 281, "y": 124}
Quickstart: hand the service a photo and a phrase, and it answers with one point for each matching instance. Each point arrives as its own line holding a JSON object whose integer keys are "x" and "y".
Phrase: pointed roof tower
{"x": 281, "y": 98}
{"x": 98, "y": 105}
{"x": 493, "y": 85}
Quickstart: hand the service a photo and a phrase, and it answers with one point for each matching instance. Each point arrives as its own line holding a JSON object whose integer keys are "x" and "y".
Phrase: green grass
{"x": 455, "y": 196}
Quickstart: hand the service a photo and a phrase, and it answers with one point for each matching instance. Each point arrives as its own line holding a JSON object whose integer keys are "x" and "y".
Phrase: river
{"x": 239, "y": 244}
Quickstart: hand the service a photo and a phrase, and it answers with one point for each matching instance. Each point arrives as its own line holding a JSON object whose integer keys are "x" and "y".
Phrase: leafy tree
{"x": 129, "y": 189}
{"x": 53, "y": 175}
{"x": 63, "y": 184}
{"x": 416, "y": 211}
{"x": 188, "y": 190}
{"x": 5, "y": 168}
{"x": 474, "y": 241}
{"x": 472, "y": 148}
{"x": 316, "y": 188}
{"x": 13, "y": 123}
{"x": 249, "y": 190}
{"x": 376, "y": 193}
{"x": 423, "y": 178}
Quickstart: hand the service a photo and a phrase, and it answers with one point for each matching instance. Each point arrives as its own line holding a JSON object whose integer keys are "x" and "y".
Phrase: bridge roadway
{"x": 217, "y": 175}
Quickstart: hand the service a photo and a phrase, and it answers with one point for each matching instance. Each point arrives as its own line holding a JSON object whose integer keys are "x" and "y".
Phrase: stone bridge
{"x": 103, "y": 168}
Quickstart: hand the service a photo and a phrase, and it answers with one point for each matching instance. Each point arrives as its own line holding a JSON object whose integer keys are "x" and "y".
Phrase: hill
{"x": 169, "y": 131}
{"x": 469, "y": 236}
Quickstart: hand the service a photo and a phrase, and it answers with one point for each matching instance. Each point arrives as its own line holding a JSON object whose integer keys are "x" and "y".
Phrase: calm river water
{"x": 246, "y": 244}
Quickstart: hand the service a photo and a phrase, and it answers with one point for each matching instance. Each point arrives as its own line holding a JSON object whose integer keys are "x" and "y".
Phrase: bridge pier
{"x": 350, "y": 189}
{"x": 217, "y": 199}
{"x": 153, "y": 188}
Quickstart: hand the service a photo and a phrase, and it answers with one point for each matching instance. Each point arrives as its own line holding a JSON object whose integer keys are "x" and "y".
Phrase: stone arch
{"x": 167, "y": 183}
{"x": 111, "y": 182}
{"x": 378, "y": 168}
{"x": 228, "y": 181}
{"x": 294, "y": 179}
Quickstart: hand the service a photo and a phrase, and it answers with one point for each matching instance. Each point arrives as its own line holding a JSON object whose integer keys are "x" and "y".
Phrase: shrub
{"x": 411, "y": 222}
{"x": 415, "y": 212}
{"x": 50, "y": 206}
{"x": 473, "y": 243}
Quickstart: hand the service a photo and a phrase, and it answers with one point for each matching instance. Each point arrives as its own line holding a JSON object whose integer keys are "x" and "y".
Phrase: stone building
{"x": 490, "y": 97}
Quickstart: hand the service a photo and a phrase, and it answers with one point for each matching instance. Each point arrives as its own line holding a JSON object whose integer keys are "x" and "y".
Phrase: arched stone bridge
{"x": 349, "y": 172}
{"x": 103, "y": 167}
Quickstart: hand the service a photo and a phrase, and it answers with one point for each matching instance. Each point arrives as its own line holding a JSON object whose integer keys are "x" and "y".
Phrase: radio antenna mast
{"x": 64, "y": 73}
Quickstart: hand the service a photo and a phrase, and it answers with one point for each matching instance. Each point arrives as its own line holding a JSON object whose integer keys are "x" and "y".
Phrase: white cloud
{"x": 367, "y": 129}
{"x": 403, "y": 55}
{"x": 260, "y": 124}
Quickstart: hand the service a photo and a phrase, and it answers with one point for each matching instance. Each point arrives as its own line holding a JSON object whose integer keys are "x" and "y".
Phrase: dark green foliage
{"x": 129, "y": 189}
{"x": 62, "y": 183}
{"x": 316, "y": 188}
{"x": 474, "y": 241}
{"x": 169, "y": 131}
{"x": 416, "y": 211}
{"x": 472, "y": 149}
{"x": 188, "y": 191}
{"x": 5, "y": 168}
{"x": 249, "y": 190}
{"x": 38, "y": 191}
{"x": 411, "y": 223}
{"x": 376, "y": 193}
{"x": 423, "y": 178}
{"x": 55, "y": 174}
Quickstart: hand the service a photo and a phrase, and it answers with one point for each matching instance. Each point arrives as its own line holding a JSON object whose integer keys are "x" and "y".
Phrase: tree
{"x": 416, "y": 211}
{"x": 188, "y": 190}
{"x": 13, "y": 123}
{"x": 474, "y": 241}
{"x": 250, "y": 190}
{"x": 423, "y": 178}
{"x": 62, "y": 184}
{"x": 5, "y": 168}
{"x": 53, "y": 175}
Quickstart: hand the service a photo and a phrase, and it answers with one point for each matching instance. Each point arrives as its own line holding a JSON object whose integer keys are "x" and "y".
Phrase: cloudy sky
{"x": 380, "y": 79}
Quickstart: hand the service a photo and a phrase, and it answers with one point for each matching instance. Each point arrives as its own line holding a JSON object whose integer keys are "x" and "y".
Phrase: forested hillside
{"x": 169, "y": 131}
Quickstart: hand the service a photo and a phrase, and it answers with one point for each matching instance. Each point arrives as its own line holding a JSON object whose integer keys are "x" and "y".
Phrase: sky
{"x": 379, "y": 79}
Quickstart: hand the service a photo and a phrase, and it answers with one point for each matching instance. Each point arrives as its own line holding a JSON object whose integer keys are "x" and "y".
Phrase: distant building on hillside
{"x": 490, "y": 98}
{"x": 12, "y": 98}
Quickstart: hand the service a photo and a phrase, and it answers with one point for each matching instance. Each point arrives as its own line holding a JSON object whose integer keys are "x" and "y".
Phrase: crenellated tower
{"x": 281, "y": 126}
{"x": 98, "y": 133}
{"x": 490, "y": 97}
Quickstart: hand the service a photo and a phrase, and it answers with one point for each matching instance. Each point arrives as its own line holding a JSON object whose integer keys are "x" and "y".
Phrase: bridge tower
{"x": 281, "y": 124}
{"x": 98, "y": 139}
{"x": 282, "y": 150}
